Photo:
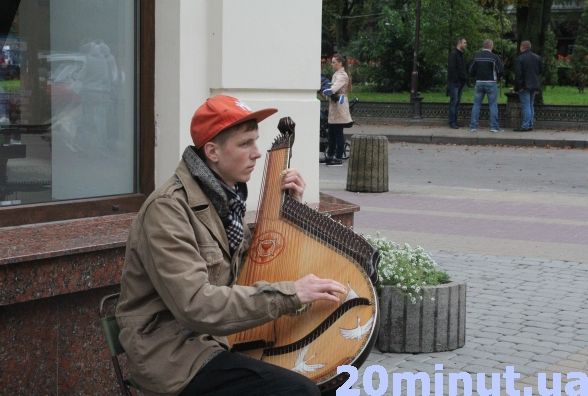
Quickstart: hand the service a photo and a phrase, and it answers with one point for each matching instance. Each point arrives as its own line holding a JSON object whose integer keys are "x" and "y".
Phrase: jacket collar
{"x": 203, "y": 188}
{"x": 198, "y": 199}
{"x": 194, "y": 193}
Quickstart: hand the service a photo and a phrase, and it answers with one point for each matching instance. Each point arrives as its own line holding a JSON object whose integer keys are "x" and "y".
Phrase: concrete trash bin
{"x": 368, "y": 164}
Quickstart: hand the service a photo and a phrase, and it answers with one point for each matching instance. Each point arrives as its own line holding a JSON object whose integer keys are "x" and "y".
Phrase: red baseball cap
{"x": 219, "y": 113}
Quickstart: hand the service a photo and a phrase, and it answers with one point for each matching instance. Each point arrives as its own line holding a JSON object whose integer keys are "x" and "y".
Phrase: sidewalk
{"x": 521, "y": 312}
{"x": 422, "y": 133}
{"x": 521, "y": 252}
{"x": 526, "y": 298}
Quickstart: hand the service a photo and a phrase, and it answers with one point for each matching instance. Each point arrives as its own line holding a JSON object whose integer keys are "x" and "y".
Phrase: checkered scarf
{"x": 234, "y": 222}
{"x": 228, "y": 202}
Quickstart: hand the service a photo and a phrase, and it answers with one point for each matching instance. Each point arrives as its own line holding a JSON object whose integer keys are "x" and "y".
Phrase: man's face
{"x": 462, "y": 45}
{"x": 234, "y": 159}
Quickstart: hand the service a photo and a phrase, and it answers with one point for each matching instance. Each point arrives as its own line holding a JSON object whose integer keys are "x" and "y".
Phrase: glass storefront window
{"x": 68, "y": 111}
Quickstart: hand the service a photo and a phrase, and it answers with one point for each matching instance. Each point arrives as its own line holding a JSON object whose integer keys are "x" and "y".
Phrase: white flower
{"x": 405, "y": 267}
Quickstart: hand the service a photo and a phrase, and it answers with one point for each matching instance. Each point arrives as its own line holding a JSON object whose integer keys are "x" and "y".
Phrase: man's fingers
{"x": 311, "y": 288}
{"x": 330, "y": 285}
{"x": 337, "y": 289}
{"x": 292, "y": 176}
{"x": 333, "y": 285}
{"x": 293, "y": 181}
{"x": 293, "y": 186}
{"x": 329, "y": 297}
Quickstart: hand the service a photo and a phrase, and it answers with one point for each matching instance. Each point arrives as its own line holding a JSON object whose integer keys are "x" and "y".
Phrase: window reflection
{"x": 67, "y": 104}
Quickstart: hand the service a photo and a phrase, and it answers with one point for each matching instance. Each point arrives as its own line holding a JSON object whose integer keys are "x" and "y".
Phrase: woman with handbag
{"x": 339, "y": 115}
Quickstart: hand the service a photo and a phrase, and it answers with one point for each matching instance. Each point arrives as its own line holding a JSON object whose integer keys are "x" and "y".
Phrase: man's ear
{"x": 211, "y": 151}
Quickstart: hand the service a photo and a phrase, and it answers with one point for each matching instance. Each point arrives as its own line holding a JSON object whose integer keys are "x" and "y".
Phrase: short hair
{"x": 224, "y": 135}
{"x": 247, "y": 126}
{"x": 459, "y": 40}
{"x": 526, "y": 44}
{"x": 488, "y": 44}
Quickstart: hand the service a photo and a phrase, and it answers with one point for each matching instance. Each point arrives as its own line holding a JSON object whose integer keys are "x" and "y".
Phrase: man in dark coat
{"x": 456, "y": 79}
{"x": 528, "y": 69}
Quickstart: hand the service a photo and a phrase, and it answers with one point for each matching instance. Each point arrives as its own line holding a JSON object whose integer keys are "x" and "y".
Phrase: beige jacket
{"x": 339, "y": 113}
{"x": 177, "y": 300}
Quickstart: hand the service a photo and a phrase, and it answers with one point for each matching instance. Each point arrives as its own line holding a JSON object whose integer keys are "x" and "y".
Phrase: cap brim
{"x": 258, "y": 116}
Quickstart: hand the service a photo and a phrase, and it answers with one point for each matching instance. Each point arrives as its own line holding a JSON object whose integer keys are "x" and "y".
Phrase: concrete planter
{"x": 434, "y": 324}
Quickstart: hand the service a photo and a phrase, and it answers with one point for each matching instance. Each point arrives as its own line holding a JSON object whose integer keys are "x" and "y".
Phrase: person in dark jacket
{"x": 528, "y": 70}
{"x": 456, "y": 79}
{"x": 487, "y": 69}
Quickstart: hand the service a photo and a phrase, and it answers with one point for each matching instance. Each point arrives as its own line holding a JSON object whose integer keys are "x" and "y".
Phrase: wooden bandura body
{"x": 292, "y": 240}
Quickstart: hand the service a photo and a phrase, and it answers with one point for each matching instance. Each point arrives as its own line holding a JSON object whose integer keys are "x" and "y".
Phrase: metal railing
{"x": 547, "y": 116}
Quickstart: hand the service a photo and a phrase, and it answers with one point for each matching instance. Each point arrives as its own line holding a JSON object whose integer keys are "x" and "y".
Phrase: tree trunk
{"x": 342, "y": 34}
{"x": 532, "y": 23}
{"x": 346, "y": 7}
{"x": 451, "y": 38}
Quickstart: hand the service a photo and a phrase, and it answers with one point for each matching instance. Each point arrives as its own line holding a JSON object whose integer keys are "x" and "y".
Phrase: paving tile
{"x": 534, "y": 336}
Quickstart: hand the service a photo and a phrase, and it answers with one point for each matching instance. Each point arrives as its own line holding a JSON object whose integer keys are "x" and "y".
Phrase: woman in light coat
{"x": 339, "y": 116}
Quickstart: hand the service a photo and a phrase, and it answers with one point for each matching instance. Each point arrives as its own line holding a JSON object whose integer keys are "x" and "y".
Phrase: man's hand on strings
{"x": 311, "y": 288}
{"x": 293, "y": 181}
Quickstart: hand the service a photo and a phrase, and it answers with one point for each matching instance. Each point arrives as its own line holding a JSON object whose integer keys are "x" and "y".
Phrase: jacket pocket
{"x": 163, "y": 319}
{"x": 213, "y": 256}
{"x": 161, "y": 362}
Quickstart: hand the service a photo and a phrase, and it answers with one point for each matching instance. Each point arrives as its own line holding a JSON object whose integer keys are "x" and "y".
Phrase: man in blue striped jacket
{"x": 487, "y": 69}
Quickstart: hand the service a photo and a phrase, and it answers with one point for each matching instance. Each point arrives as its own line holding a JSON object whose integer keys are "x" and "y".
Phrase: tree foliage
{"x": 341, "y": 20}
{"x": 550, "y": 74}
{"x": 580, "y": 54}
{"x": 385, "y": 49}
{"x": 383, "y": 39}
{"x": 533, "y": 22}
{"x": 379, "y": 34}
{"x": 444, "y": 21}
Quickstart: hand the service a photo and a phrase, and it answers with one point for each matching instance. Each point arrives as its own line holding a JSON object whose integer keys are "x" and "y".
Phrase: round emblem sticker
{"x": 266, "y": 247}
